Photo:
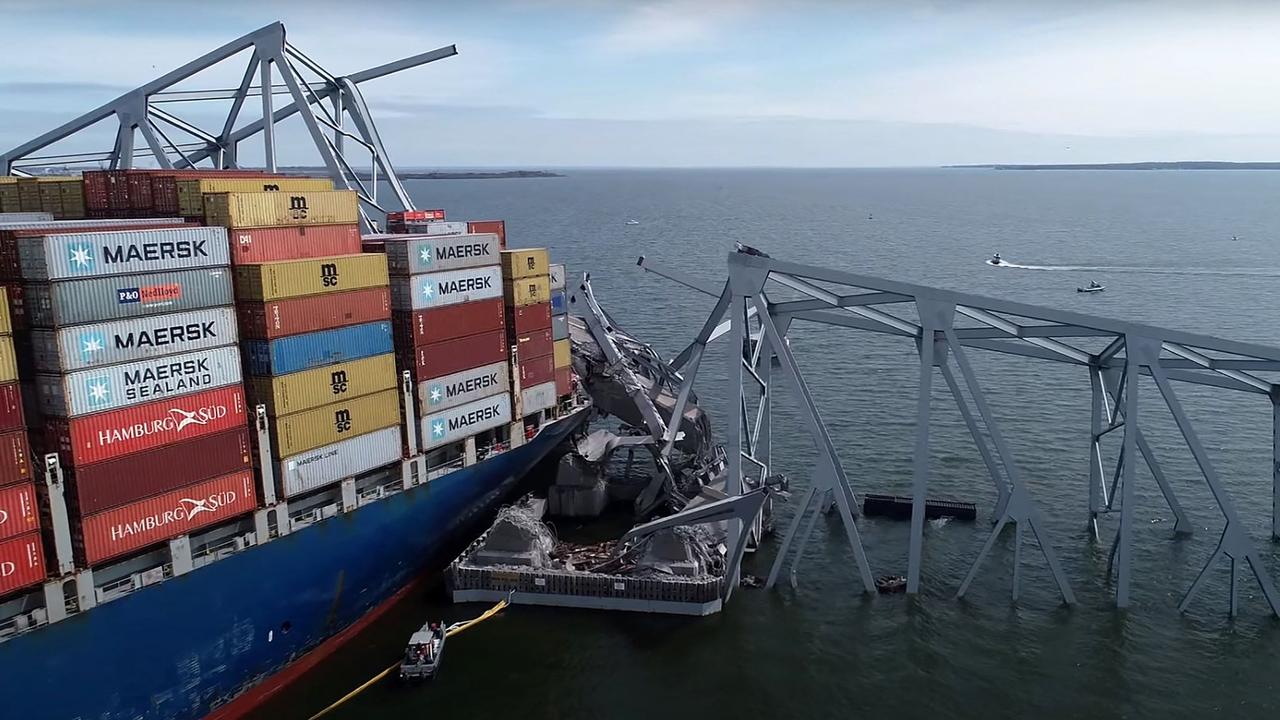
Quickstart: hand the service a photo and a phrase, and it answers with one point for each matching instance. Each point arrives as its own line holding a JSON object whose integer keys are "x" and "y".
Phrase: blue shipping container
{"x": 302, "y": 352}
{"x": 559, "y": 302}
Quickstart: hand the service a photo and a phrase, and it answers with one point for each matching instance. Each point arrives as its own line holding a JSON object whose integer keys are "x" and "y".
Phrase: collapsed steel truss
{"x": 1124, "y": 351}
{"x": 140, "y": 111}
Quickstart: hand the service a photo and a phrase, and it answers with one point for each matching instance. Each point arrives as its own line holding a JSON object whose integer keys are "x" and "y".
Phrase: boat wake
{"x": 1258, "y": 272}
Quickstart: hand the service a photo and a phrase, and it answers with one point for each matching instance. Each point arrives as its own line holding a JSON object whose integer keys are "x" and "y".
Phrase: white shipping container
{"x": 437, "y": 227}
{"x": 338, "y": 461}
{"x": 25, "y": 217}
{"x": 559, "y": 327}
{"x": 121, "y": 252}
{"x": 465, "y": 420}
{"x": 117, "y": 386}
{"x": 557, "y": 274}
{"x": 441, "y": 393}
{"x": 117, "y": 341}
{"x": 416, "y": 254}
{"x": 433, "y": 290}
{"x": 86, "y": 224}
{"x": 538, "y": 397}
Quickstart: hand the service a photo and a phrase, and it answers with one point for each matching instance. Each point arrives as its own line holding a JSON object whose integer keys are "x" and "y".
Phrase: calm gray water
{"x": 1162, "y": 244}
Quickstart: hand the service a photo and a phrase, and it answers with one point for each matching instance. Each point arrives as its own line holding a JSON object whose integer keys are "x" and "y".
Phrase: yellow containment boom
{"x": 452, "y": 630}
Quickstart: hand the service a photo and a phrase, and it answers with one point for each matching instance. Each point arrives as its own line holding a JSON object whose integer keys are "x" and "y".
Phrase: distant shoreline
{"x": 1185, "y": 165}
{"x": 441, "y": 175}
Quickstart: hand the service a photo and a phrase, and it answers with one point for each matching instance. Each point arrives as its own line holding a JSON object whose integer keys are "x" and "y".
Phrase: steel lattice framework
{"x": 147, "y": 110}
{"x": 757, "y": 332}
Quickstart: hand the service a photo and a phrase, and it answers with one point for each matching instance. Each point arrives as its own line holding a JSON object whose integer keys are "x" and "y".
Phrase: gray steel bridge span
{"x": 757, "y": 332}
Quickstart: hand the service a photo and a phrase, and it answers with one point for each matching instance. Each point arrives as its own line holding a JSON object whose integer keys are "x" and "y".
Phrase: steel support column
{"x": 1275, "y": 464}
{"x": 1124, "y": 537}
{"x": 1002, "y": 488}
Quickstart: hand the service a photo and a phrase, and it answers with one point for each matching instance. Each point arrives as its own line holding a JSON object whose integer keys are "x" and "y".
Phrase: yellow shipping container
{"x": 563, "y": 354}
{"x": 310, "y": 429}
{"x": 28, "y": 195}
{"x": 8, "y": 360}
{"x": 526, "y": 291}
{"x": 295, "y": 278}
{"x": 6, "y": 322}
{"x": 9, "y": 194}
{"x": 295, "y": 392}
{"x": 191, "y": 191}
{"x": 72, "y": 200}
{"x": 285, "y": 208}
{"x": 528, "y": 262}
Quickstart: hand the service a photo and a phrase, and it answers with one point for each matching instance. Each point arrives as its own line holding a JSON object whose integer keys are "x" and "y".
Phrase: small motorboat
{"x": 633, "y": 222}
{"x": 995, "y": 259}
{"x": 891, "y": 584}
{"x": 423, "y": 654}
{"x": 1091, "y": 288}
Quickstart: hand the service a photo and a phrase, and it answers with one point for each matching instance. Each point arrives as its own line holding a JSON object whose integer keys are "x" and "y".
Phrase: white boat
{"x": 995, "y": 259}
{"x": 633, "y": 222}
{"x": 422, "y": 656}
{"x": 1091, "y": 288}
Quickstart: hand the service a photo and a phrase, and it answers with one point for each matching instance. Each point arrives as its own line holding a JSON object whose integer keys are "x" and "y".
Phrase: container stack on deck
{"x": 133, "y": 339}
{"x": 527, "y": 295}
{"x": 446, "y": 294}
{"x": 558, "y": 274}
{"x": 315, "y": 315}
{"x": 21, "y": 550}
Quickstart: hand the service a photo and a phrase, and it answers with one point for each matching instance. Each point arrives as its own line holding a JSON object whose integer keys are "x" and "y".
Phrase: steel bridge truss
{"x": 172, "y": 142}
{"x": 1120, "y": 352}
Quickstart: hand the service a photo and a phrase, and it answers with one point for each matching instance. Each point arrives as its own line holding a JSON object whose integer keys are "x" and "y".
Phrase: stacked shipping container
{"x": 527, "y": 295}
{"x": 560, "y": 330}
{"x": 315, "y": 315}
{"x": 135, "y": 348}
{"x": 21, "y": 551}
{"x": 450, "y": 328}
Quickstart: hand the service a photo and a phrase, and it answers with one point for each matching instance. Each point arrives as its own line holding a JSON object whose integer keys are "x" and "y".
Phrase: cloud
{"x": 669, "y": 25}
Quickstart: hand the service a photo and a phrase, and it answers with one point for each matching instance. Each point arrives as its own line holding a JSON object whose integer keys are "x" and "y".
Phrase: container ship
{"x": 235, "y": 427}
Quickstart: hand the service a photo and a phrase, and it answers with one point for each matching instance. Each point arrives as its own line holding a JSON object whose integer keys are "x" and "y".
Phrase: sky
{"x": 677, "y": 83}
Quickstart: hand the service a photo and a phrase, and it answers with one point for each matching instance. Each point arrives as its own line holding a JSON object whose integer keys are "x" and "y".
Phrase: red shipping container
{"x": 260, "y": 245}
{"x": 18, "y": 512}
{"x": 15, "y": 458}
{"x": 21, "y": 562}
{"x": 564, "y": 381}
{"x": 139, "y": 184}
{"x": 11, "y": 407}
{"x": 156, "y": 519}
{"x": 424, "y": 327}
{"x": 404, "y": 216}
{"x": 113, "y": 483}
{"x": 497, "y": 227}
{"x": 537, "y": 370}
{"x": 95, "y": 189}
{"x": 535, "y": 344}
{"x": 116, "y": 433}
{"x": 267, "y": 320}
{"x": 527, "y": 318}
{"x": 451, "y": 356}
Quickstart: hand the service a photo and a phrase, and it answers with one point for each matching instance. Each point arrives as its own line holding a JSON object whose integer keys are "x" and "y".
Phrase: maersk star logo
{"x": 425, "y": 254}
{"x": 81, "y": 257}
{"x": 436, "y": 394}
{"x": 99, "y": 390}
{"x": 437, "y": 429}
{"x": 428, "y": 290}
{"x": 91, "y": 343}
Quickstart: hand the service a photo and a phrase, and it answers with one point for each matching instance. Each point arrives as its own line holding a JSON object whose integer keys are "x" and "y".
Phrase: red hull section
{"x": 103, "y": 436}
{"x": 119, "y": 531}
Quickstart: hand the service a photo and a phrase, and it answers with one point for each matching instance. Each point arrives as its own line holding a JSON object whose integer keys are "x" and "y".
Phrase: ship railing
{"x": 136, "y": 581}
{"x": 378, "y": 487}
{"x": 213, "y": 552}
{"x": 496, "y": 447}
{"x": 441, "y": 469}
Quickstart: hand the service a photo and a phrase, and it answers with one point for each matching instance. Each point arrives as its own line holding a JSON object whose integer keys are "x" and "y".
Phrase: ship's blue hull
{"x": 181, "y": 649}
